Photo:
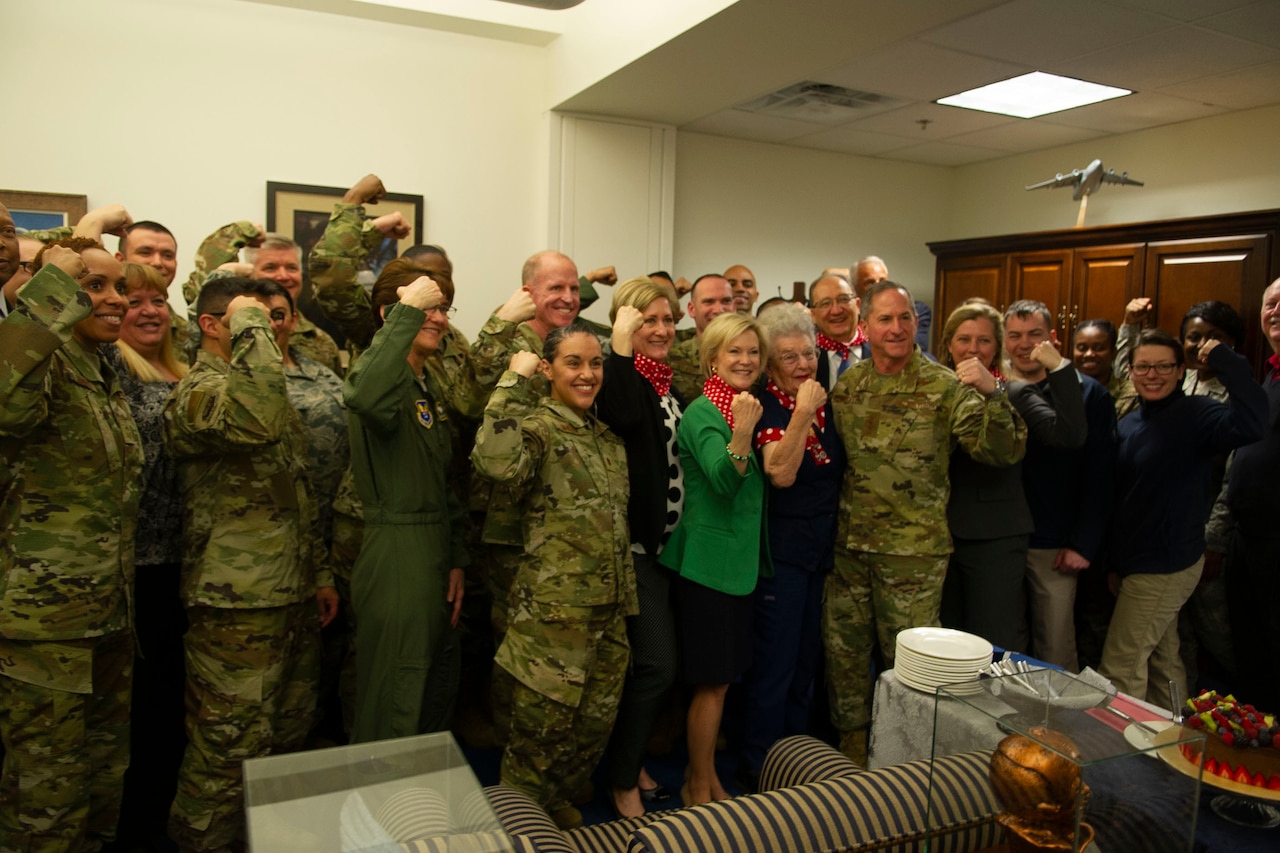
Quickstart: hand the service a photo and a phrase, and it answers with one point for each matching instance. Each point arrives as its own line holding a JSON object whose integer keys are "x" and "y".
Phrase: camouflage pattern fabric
{"x": 899, "y": 432}
{"x": 249, "y": 532}
{"x": 686, "y": 372}
{"x": 251, "y": 691}
{"x": 315, "y": 393}
{"x": 1124, "y": 394}
{"x": 333, "y": 265}
{"x": 870, "y": 597}
{"x": 220, "y": 247}
{"x": 65, "y": 752}
{"x": 316, "y": 344}
{"x": 553, "y": 748}
{"x": 577, "y": 543}
{"x": 71, "y": 477}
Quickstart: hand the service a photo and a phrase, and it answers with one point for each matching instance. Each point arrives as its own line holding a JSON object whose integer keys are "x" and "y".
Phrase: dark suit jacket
{"x": 824, "y": 365}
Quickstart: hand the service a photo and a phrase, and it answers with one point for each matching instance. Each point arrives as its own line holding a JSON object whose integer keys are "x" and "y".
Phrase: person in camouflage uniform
{"x": 899, "y": 416}
{"x": 250, "y": 562}
{"x": 566, "y": 644}
{"x": 71, "y": 480}
{"x": 710, "y": 297}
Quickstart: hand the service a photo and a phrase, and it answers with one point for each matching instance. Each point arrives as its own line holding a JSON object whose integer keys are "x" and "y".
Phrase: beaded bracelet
{"x": 735, "y": 456}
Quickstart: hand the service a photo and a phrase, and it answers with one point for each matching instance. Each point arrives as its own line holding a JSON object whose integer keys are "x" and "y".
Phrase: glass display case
{"x": 409, "y": 794}
{"x": 1070, "y": 763}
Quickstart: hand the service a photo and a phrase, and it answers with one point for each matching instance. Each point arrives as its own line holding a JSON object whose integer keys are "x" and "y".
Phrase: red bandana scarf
{"x": 718, "y": 391}
{"x": 811, "y": 442}
{"x": 832, "y": 345}
{"x": 659, "y": 375}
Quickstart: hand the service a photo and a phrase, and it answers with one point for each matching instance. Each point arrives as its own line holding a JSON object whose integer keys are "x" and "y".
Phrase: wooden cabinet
{"x": 1089, "y": 273}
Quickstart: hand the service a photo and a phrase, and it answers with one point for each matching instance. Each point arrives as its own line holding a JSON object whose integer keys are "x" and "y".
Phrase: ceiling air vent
{"x": 819, "y": 102}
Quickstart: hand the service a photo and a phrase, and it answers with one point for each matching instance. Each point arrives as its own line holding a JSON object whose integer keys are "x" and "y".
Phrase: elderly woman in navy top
{"x": 804, "y": 462}
{"x": 717, "y": 546}
{"x": 640, "y": 406}
{"x": 1163, "y": 501}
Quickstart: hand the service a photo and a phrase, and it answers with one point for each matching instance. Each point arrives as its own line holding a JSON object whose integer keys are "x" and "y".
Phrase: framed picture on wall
{"x": 34, "y": 211}
{"x": 301, "y": 211}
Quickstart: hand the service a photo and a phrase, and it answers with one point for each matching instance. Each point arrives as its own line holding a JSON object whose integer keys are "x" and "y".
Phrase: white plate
{"x": 926, "y": 674}
{"x": 1143, "y": 736}
{"x": 963, "y": 689}
{"x": 946, "y": 644}
{"x": 934, "y": 665}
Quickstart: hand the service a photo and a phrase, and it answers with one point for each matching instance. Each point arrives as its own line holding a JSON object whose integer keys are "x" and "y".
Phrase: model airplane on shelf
{"x": 1086, "y": 182}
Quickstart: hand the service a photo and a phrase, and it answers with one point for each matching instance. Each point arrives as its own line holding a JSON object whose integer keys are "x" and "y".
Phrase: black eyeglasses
{"x": 1162, "y": 369}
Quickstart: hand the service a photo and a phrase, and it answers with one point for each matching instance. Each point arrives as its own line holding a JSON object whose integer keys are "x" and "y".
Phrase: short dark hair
{"x": 145, "y": 225}
{"x": 879, "y": 287}
{"x": 661, "y": 274}
{"x": 217, "y": 293}
{"x": 693, "y": 291}
{"x": 824, "y": 277}
{"x": 1218, "y": 314}
{"x": 1158, "y": 338}
{"x": 557, "y": 336}
{"x": 415, "y": 252}
{"x": 1108, "y": 328}
{"x": 1024, "y": 308}
{"x": 273, "y": 288}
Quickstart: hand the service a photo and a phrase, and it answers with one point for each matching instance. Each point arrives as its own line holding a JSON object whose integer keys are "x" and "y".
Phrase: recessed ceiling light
{"x": 1032, "y": 95}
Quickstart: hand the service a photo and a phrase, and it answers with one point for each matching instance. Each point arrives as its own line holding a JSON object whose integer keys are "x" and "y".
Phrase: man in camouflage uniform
{"x": 70, "y": 476}
{"x": 566, "y": 645}
{"x": 249, "y": 566}
{"x": 899, "y": 416}
{"x": 270, "y": 256}
{"x": 710, "y": 297}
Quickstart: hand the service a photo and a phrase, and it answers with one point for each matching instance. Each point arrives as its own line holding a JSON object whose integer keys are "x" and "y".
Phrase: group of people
{"x": 555, "y": 524}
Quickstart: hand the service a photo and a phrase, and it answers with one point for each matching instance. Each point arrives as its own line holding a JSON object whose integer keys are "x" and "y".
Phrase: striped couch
{"x": 812, "y": 800}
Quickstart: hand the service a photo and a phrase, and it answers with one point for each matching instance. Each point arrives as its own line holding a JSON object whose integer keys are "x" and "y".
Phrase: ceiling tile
{"x": 920, "y": 71}
{"x": 744, "y": 125}
{"x": 1258, "y": 23}
{"x": 1036, "y": 32}
{"x": 1184, "y": 53}
{"x": 1019, "y": 136}
{"x": 846, "y": 140}
{"x": 1134, "y": 112}
{"x": 1183, "y": 10}
{"x": 943, "y": 122}
{"x": 1255, "y": 86}
{"x": 944, "y": 154}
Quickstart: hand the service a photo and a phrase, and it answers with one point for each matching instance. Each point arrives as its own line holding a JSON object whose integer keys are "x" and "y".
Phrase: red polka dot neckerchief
{"x": 718, "y": 391}
{"x": 832, "y": 345}
{"x": 811, "y": 441}
{"x": 659, "y": 375}
{"x": 1274, "y": 361}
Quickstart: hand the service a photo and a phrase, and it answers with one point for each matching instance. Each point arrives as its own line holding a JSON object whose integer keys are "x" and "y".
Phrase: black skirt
{"x": 715, "y": 633}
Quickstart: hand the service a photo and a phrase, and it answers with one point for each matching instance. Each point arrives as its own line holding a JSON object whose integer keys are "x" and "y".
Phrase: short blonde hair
{"x": 724, "y": 329}
{"x": 142, "y": 277}
{"x": 639, "y": 293}
{"x": 973, "y": 309}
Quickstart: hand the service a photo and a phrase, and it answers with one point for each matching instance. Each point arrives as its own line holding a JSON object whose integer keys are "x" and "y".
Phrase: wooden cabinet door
{"x": 1045, "y": 277}
{"x": 1180, "y": 273}
{"x": 1105, "y": 279}
{"x": 963, "y": 278}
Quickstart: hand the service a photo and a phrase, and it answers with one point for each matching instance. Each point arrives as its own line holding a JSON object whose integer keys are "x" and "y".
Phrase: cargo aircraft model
{"x": 1086, "y": 182}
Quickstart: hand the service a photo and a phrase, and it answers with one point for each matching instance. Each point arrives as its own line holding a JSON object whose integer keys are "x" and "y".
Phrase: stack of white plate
{"x": 928, "y": 658}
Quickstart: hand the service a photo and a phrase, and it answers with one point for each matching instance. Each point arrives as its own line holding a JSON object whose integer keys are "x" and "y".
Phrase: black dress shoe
{"x": 655, "y": 795}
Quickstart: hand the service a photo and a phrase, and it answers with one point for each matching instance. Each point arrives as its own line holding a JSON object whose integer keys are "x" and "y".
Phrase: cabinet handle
{"x": 1075, "y": 311}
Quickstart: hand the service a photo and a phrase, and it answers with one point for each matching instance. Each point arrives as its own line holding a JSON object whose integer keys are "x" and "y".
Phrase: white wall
{"x": 1221, "y": 164}
{"x": 183, "y": 112}
{"x": 786, "y": 213}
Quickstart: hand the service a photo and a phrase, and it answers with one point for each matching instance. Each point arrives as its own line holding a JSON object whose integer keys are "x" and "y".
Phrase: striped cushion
{"x": 525, "y": 820}
{"x": 477, "y": 842}
{"x": 611, "y": 837}
{"x": 414, "y": 813}
{"x": 801, "y": 759}
{"x": 881, "y": 810}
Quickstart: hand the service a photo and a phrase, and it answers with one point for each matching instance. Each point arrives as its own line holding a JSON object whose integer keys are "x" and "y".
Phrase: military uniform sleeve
{"x": 247, "y": 406}
{"x": 333, "y": 265}
{"x": 49, "y": 306}
{"x": 492, "y": 350}
{"x": 506, "y": 451}
{"x": 372, "y": 389}
{"x": 988, "y": 429}
{"x": 48, "y": 235}
{"x": 455, "y": 372}
{"x": 1059, "y": 421}
{"x": 587, "y": 294}
{"x": 220, "y": 247}
{"x": 1127, "y": 334}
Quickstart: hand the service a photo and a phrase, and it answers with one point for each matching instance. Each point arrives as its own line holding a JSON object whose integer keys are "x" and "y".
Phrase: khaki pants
{"x": 1051, "y": 596}
{"x": 1141, "y": 654}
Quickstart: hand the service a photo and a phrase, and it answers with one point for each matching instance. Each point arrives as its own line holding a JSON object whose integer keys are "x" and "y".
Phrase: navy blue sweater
{"x": 1163, "y": 464}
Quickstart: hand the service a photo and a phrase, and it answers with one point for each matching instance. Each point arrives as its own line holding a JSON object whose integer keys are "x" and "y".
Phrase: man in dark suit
{"x": 841, "y": 343}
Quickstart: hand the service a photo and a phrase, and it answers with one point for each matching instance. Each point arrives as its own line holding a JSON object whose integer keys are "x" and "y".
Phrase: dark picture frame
{"x": 37, "y": 211}
{"x": 301, "y": 211}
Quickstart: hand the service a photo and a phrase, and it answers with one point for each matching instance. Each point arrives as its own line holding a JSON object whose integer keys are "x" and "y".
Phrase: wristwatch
{"x": 1000, "y": 389}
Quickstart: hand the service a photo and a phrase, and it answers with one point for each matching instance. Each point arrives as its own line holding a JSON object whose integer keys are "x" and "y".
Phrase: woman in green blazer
{"x": 717, "y": 547}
